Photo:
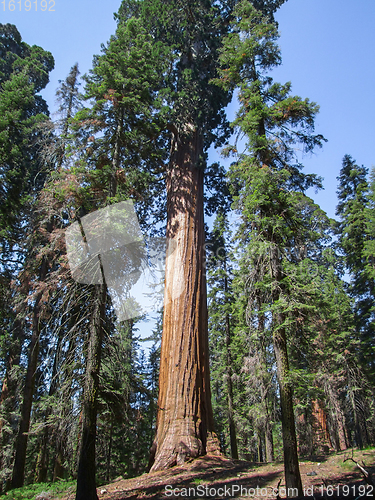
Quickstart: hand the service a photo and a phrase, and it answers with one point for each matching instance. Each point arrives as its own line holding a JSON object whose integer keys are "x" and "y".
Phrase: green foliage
{"x": 127, "y": 406}
{"x": 220, "y": 323}
{"x": 23, "y": 72}
{"x": 168, "y": 69}
{"x": 355, "y": 210}
{"x": 369, "y": 244}
{"x": 30, "y": 492}
{"x": 274, "y": 122}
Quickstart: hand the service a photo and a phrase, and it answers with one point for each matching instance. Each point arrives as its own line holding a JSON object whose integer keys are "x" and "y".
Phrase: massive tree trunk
{"x": 184, "y": 427}
{"x": 86, "y": 481}
{"x": 320, "y": 425}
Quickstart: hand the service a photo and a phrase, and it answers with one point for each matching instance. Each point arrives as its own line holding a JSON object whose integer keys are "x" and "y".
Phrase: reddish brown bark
{"x": 320, "y": 424}
{"x": 185, "y": 419}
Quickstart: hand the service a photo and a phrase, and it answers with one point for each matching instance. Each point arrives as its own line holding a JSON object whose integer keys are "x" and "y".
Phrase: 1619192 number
{"x": 28, "y": 5}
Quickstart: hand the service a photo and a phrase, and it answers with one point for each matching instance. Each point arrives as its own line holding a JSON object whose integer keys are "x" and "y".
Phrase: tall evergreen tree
{"x": 353, "y": 210}
{"x": 118, "y": 129}
{"x": 220, "y": 276}
{"x": 23, "y": 73}
{"x": 194, "y": 119}
{"x": 269, "y": 179}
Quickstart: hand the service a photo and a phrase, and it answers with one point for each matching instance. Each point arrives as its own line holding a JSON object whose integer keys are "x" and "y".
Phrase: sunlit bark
{"x": 185, "y": 417}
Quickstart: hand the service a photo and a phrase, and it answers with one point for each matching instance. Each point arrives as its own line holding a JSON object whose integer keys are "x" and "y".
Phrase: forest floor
{"x": 220, "y": 478}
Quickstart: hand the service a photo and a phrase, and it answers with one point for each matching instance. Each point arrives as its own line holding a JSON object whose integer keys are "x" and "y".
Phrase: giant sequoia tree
{"x": 185, "y": 418}
{"x": 194, "y": 117}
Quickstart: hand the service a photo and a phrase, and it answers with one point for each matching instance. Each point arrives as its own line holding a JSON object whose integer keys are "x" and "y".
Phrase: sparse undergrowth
{"x": 318, "y": 473}
{"x": 41, "y": 491}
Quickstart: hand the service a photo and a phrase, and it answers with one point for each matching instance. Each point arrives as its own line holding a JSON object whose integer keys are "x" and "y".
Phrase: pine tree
{"x": 355, "y": 241}
{"x": 369, "y": 250}
{"x": 23, "y": 73}
{"x": 220, "y": 276}
{"x": 355, "y": 238}
{"x": 369, "y": 256}
{"x": 269, "y": 179}
{"x": 118, "y": 129}
{"x": 353, "y": 199}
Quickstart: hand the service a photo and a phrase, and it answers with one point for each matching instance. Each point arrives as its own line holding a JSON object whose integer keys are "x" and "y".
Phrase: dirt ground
{"x": 220, "y": 478}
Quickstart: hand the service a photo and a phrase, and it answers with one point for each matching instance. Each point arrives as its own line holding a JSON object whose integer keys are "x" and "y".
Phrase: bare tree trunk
{"x": 42, "y": 461}
{"x": 270, "y": 457}
{"x": 341, "y": 430}
{"x": 185, "y": 419}
{"x": 260, "y": 445}
{"x": 291, "y": 465}
{"x": 264, "y": 387}
{"x": 18, "y": 475}
{"x": 232, "y": 426}
{"x": 9, "y": 389}
{"x": 58, "y": 467}
{"x": 320, "y": 426}
{"x": 86, "y": 480}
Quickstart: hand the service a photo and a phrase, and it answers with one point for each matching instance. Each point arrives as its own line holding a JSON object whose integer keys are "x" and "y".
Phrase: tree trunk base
{"x": 187, "y": 448}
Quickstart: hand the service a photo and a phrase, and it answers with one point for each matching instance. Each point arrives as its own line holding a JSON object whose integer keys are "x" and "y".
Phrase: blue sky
{"x": 328, "y": 51}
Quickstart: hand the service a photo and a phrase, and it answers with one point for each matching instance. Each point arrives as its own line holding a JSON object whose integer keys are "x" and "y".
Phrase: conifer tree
{"x": 369, "y": 245}
{"x": 194, "y": 118}
{"x": 23, "y": 73}
{"x": 221, "y": 326}
{"x": 269, "y": 178}
{"x": 353, "y": 210}
{"x": 118, "y": 130}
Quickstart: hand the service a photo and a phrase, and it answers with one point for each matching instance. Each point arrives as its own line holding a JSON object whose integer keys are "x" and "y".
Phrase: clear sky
{"x": 328, "y": 50}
